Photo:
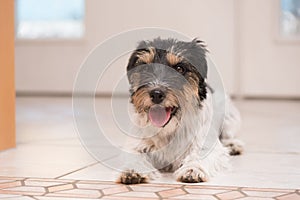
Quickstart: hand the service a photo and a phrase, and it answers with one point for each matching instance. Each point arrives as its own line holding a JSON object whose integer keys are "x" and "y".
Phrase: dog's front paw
{"x": 131, "y": 177}
{"x": 192, "y": 175}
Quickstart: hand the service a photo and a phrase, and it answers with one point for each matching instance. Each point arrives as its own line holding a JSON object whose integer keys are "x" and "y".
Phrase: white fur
{"x": 183, "y": 142}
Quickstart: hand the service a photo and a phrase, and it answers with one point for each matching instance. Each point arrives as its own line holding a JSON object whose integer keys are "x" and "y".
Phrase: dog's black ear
{"x": 201, "y": 51}
{"x": 202, "y": 90}
{"x": 131, "y": 64}
{"x": 142, "y": 46}
{"x": 132, "y": 60}
{"x": 201, "y": 62}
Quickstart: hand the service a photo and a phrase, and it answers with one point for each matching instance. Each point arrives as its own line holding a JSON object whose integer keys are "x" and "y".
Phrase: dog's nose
{"x": 157, "y": 96}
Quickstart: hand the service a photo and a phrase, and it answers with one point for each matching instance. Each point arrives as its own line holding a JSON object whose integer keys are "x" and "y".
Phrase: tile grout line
{"x": 294, "y": 192}
{"x": 240, "y": 189}
{"x": 237, "y": 188}
{"x": 90, "y": 165}
{"x": 254, "y": 188}
{"x": 101, "y": 193}
{"x": 215, "y": 195}
{"x": 158, "y": 195}
{"x": 58, "y": 177}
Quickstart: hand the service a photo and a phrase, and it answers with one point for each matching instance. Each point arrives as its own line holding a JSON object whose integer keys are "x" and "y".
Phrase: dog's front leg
{"x": 138, "y": 174}
{"x": 197, "y": 167}
{"x": 192, "y": 171}
{"x": 137, "y": 169}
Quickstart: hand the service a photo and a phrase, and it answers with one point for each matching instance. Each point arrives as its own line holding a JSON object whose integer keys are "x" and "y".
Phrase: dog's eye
{"x": 180, "y": 68}
{"x": 140, "y": 62}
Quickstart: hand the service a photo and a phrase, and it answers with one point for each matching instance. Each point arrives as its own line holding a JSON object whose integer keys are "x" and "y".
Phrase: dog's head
{"x": 167, "y": 79}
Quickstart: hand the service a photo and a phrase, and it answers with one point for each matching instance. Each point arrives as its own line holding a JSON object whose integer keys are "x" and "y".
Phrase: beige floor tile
{"x": 137, "y": 194}
{"x": 259, "y": 170}
{"x": 256, "y": 198}
{"x": 204, "y": 191}
{"x": 146, "y": 188}
{"x": 270, "y": 126}
{"x": 195, "y": 197}
{"x": 62, "y": 198}
{"x": 47, "y": 145}
{"x": 40, "y": 190}
{"x": 31, "y": 160}
{"x": 290, "y": 197}
{"x": 96, "y": 172}
{"x": 78, "y": 193}
{"x": 94, "y": 186}
{"x": 115, "y": 190}
{"x": 7, "y": 180}
{"x": 209, "y": 187}
{"x": 10, "y": 184}
{"x": 171, "y": 193}
{"x": 42, "y": 183}
{"x": 19, "y": 198}
{"x": 127, "y": 198}
{"x": 262, "y": 193}
{"x": 61, "y": 187}
{"x": 23, "y": 192}
{"x": 8, "y": 196}
{"x": 269, "y": 190}
{"x": 230, "y": 195}
{"x": 50, "y": 180}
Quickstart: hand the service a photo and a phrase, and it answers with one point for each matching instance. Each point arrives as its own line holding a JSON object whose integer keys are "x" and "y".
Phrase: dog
{"x": 173, "y": 111}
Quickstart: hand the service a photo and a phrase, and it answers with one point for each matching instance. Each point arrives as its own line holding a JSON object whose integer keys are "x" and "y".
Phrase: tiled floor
{"x": 44, "y": 189}
{"x": 50, "y": 162}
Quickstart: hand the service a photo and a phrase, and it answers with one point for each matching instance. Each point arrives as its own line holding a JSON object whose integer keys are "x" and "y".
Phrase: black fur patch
{"x": 193, "y": 54}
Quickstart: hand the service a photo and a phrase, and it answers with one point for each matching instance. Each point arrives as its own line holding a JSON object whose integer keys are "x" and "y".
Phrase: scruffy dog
{"x": 174, "y": 110}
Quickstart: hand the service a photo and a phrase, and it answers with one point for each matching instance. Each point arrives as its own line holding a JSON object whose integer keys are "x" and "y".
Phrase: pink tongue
{"x": 159, "y": 115}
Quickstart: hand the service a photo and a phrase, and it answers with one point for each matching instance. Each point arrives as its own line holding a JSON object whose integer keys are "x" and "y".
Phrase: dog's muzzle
{"x": 158, "y": 114}
{"x": 157, "y": 96}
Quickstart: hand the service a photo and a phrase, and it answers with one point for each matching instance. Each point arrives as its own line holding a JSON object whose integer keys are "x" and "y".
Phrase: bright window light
{"x": 290, "y": 18}
{"x": 49, "y": 19}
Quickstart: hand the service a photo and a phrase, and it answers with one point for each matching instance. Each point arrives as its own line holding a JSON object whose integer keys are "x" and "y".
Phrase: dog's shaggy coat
{"x": 173, "y": 109}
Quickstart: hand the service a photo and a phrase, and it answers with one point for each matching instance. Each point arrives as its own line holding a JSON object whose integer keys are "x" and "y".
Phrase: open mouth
{"x": 160, "y": 116}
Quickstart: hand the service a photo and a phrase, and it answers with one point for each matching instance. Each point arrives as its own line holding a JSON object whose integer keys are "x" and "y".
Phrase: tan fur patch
{"x": 141, "y": 100}
{"x": 173, "y": 59}
{"x": 191, "y": 88}
{"x": 146, "y": 57}
{"x": 171, "y": 100}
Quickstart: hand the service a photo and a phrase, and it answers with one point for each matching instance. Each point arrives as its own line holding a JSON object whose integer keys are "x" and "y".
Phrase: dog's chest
{"x": 168, "y": 152}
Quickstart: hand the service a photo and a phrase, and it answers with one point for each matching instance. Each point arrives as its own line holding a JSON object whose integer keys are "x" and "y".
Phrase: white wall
{"x": 240, "y": 35}
{"x": 51, "y": 66}
{"x": 269, "y": 66}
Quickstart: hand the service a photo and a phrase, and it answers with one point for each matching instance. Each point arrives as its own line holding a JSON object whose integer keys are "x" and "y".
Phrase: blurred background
{"x": 255, "y": 44}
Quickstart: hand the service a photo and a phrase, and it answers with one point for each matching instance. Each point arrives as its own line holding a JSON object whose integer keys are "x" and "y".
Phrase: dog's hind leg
{"x": 230, "y": 129}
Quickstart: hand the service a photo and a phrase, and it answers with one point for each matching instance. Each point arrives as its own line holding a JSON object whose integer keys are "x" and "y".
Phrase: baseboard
{"x": 68, "y": 94}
